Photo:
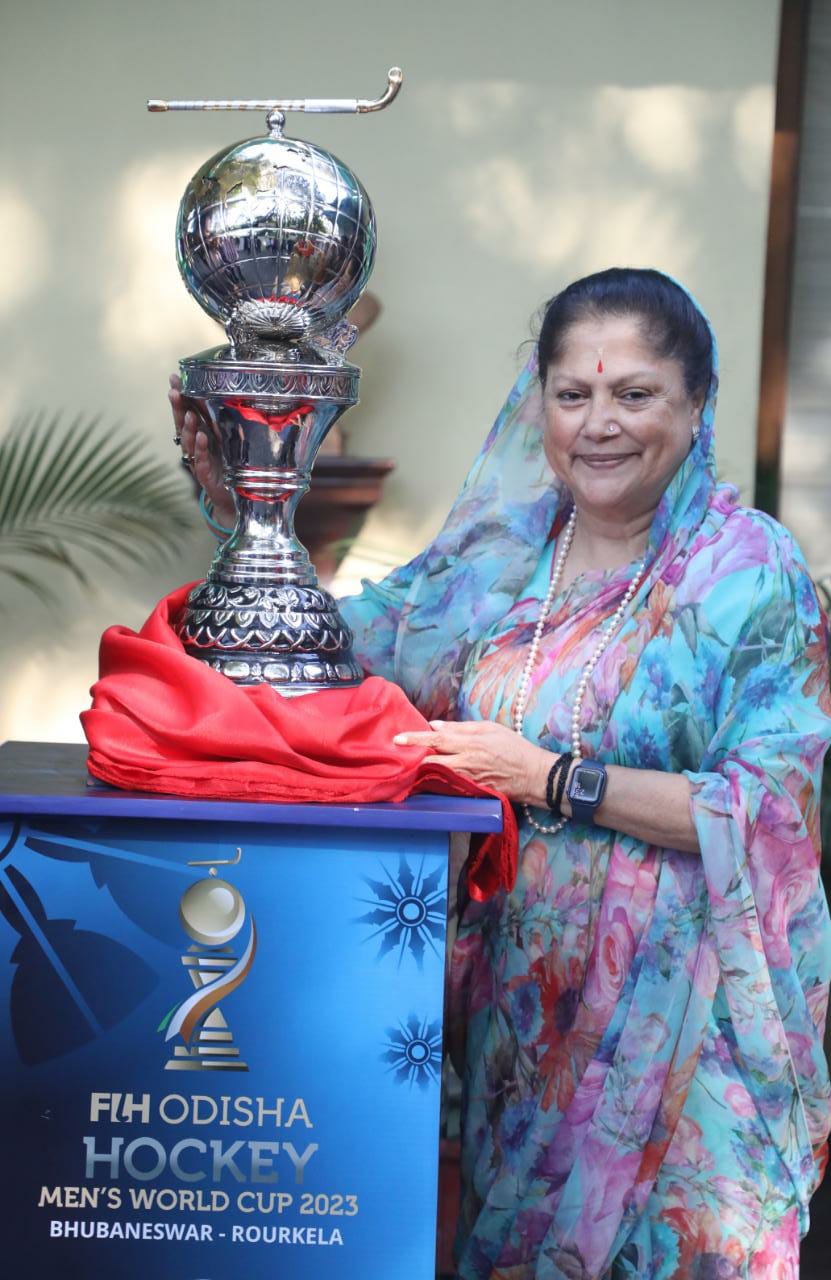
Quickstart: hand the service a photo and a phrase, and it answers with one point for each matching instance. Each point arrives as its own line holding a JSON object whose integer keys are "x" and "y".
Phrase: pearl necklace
{"x": 608, "y": 632}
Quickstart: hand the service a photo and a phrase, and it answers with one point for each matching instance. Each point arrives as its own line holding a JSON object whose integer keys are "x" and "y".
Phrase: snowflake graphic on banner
{"x": 413, "y": 1051}
{"x": 409, "y": 911}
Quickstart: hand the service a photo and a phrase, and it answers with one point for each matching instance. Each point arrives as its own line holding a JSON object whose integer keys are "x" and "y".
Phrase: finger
{"x": 456, "y": 763}
{"x": 177, "y": 404}
{"x": 182, "y": 405}
{"x": 421, "y": 739}
{"x": 202, "y": 466}
{"x": 176, "y": 382}
{"x": 190, "y": 426}
{"x": 462, "y": 726}
{"x": 208, "y": 472}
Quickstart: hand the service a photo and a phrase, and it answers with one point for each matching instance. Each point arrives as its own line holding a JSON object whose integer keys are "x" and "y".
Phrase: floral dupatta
{"x": 747, "y": 918}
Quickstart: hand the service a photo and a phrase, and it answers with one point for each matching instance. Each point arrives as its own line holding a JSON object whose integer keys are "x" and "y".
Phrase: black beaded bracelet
{"x": 557, "y": 774}
{"x": 561, "y": 782}
{"x": 551, "y": 781}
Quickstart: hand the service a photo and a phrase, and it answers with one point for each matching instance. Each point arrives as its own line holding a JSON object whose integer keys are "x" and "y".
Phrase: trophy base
{"x": 291, "y": 637}
{"x": 189, "y": 1060}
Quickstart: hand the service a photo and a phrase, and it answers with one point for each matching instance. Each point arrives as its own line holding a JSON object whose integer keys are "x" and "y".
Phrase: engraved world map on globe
{"x": 276, "y": 237}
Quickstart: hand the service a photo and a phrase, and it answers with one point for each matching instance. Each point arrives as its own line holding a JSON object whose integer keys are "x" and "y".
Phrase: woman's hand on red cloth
{"x": 491, "y": 754}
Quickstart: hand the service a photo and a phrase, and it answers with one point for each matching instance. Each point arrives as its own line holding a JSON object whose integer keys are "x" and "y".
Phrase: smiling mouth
{"x": 604, "y": 461}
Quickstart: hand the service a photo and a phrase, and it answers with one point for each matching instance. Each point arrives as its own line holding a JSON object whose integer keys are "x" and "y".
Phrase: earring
{"x": 696, "y": 432}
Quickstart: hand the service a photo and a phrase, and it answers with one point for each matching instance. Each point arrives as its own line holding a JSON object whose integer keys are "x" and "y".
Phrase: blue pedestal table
{"x": 222, "y": 1038}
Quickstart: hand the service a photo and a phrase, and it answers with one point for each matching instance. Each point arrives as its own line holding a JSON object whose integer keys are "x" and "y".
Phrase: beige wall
{"x": 532, "y": 142}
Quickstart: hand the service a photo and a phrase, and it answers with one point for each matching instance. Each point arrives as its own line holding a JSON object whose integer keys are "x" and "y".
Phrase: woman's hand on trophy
{"x": 191, "y": 434}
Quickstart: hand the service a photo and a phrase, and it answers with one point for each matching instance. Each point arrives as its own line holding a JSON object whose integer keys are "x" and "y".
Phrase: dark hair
{"x": 671, "y": 322}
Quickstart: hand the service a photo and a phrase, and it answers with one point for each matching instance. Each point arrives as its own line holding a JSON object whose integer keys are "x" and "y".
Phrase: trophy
{"x": 275, "y": 239}
{"x": 212, "y": 913}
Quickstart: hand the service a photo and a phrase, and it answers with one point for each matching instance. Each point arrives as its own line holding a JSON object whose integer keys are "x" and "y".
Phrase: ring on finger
{"x": 177, "y": 439}
{"x": 187, "y": 460}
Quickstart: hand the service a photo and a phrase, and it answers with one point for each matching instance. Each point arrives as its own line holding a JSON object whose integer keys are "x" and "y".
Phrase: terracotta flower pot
{"x": 343, "y": 492}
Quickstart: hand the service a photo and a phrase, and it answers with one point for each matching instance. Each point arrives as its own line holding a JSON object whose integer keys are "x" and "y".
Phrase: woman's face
{"x": 618, "y": 420}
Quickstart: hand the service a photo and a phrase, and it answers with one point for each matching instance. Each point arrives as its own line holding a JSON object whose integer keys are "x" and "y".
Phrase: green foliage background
{"x": 79, "y": 494}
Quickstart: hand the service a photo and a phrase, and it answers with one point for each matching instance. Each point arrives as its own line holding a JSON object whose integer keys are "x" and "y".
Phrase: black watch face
{"x": 586, "y": 785}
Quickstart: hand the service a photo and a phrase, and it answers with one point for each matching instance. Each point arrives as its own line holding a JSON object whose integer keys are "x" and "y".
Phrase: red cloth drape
{"x": 162, "y": 721}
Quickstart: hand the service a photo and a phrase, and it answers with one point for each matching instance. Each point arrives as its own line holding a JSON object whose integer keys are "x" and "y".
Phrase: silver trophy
{"x": 275, "y": 239}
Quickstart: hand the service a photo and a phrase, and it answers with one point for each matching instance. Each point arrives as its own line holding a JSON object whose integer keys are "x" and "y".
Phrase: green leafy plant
{"x": 73, "y": 495}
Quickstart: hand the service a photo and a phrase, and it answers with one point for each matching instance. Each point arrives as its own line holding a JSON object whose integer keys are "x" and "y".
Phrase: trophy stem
{"x": 264, "y": 546}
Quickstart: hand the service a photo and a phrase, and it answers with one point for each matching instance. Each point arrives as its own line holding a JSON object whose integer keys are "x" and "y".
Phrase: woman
{"x": 604, "y": 634}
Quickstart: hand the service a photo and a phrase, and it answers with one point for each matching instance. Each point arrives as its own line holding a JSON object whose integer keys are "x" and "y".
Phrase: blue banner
{"x": 222, "y": 1049}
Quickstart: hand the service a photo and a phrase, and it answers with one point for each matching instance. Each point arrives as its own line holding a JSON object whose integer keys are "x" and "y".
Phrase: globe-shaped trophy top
{"x": 275, "y": 237}
{"x": 212, "y": 912}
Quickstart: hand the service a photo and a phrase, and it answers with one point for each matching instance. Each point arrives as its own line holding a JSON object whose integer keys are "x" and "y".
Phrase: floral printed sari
{"x": 645, "y": 1090}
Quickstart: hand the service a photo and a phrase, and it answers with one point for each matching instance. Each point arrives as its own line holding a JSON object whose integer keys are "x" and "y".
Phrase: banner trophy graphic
{"x": 212, "y": 912}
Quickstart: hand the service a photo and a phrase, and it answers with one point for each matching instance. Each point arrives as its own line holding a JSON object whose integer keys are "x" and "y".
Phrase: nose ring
{"x": 611, "y": 430}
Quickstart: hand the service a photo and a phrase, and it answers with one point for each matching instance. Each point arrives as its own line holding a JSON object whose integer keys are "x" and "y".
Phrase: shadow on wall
{"x": 551, "y": 197}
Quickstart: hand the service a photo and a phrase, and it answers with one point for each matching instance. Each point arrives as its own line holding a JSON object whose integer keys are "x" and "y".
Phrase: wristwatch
{"x": 585, "y": 789}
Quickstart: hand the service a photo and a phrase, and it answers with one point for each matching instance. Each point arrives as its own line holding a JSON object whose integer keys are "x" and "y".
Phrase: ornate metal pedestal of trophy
{"x": 276, "y": 239}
